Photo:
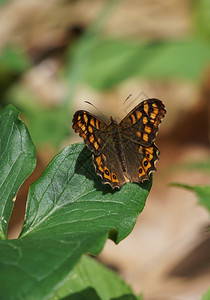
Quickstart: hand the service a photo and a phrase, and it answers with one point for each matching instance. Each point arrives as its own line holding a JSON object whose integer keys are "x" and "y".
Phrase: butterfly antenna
{"x": 127, "y": 98}
{"x": 123, "y": 104}
{"x": 95, "y": 107}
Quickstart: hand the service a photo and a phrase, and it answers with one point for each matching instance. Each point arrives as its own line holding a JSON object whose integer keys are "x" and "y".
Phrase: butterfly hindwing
{"x": 139, "y": 160}
{"x": 109, "y": 167}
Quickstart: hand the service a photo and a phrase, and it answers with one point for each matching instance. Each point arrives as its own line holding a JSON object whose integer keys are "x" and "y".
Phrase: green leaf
{"x": 88, "y": 276}
{"x": 112, "y": 61}
{"x": 69, "y": 212}
{"x": 86, "y": 294}
{"x": 206, "y": 296}
{"x": 69, "y": 184}
{"x": 41, "y": 264}
{"x": 17, "y": 161}
{"x": 202, "y": 192}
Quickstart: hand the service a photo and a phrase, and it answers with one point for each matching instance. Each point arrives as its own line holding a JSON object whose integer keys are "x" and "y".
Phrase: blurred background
{"x": 54, "y": 55}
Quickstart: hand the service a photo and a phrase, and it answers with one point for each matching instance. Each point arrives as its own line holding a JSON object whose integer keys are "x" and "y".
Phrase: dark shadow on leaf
{"x": 90, "y": 294}
{"x": 87, "y": 294}
{"x": 84, "y": 166}
{"x": 113, "y": 233}
{"x": 147, "y": 184}
{"x": 125, "y": 297}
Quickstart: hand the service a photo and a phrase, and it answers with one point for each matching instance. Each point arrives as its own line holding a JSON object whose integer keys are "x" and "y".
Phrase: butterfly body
{"x": 123, "y": 152}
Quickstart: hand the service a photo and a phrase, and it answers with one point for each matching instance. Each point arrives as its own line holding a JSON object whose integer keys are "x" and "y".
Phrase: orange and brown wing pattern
{"x": 139, "y": 161}
{"x": 125, "y": 152}
{"x": 109, "y": 167}
{"x": 91, "y": 129}
{"x": 142, "y": 123}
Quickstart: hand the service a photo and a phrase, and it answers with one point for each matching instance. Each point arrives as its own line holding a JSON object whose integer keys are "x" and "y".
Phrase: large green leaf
{"x": 202, "y": 191}
{"x": 89, "y": 276}
{"x": 69, "y": 194}
{"x": 69, "y": 212}
{"x": 17, "y": 161}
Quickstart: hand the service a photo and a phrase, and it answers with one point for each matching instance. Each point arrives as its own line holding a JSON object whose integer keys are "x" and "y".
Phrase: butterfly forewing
{"x": 93, "y": 130}
{"x": 141, "y": 124}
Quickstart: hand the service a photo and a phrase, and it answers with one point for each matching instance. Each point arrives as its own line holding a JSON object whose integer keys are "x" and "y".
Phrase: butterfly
{"x": 123, "y": 152}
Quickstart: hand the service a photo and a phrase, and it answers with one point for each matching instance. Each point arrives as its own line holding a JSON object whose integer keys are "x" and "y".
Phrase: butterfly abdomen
{"x": 117, "y": 143}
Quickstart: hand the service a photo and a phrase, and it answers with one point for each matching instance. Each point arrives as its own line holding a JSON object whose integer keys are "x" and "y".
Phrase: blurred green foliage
{"x": 202, "y": 192}
{"x": 201, "y": 11}
{"x": 203, "y": 166}
{"x": 47, "y": 125}
{"x": 13, "y": 63}
{"x": 3, "y": 2}
{"x": 113, "y": 61}
{"x": 206, "y": 296}
{"x": 13, "y": 59}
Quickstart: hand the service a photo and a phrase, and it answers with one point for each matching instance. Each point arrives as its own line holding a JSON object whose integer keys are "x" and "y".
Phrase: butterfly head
{"x": 113, "y": 121}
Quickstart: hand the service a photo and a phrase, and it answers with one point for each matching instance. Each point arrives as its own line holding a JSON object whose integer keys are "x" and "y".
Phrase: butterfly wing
{"x": 134, "y": 165}
{"x": 141, "y": 124}
{"x": 138, "y": 132}
{"x": 128, "y": 153}
{"x": 98, "y": 137}
{"x": 139, "y": 160}
{"x": 109, "y": 167}
{"x": 92, "y": 129}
